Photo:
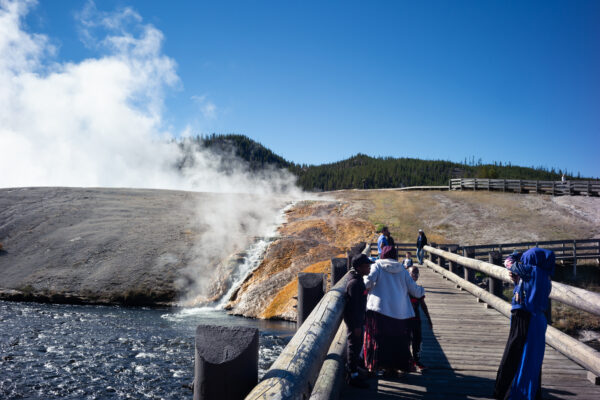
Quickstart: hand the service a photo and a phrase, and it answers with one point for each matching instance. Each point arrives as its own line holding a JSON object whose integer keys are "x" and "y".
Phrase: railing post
{"x": 226, "y": 362}
{"x": 452, "y": 265}
{"x": 441, "y": 261}
{"x": 495, "y": 285}
{"x": 433, "y": 257}
{"x": 570, "y": 188}
{"x": 574, "y": 258}
{"x": 469, "y": 274}
{"x": 310, "y": 292}
{"x": 339, "y": 267}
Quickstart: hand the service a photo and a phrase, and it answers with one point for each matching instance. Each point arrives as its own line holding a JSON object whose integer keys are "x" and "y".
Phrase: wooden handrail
{"x": 295, "y": 372}
{"x": 572, "y": 348}
{"x": 575, "y": 297}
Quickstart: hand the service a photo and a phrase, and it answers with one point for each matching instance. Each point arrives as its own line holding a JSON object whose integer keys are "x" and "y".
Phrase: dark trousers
{"x": 512, "y": 357}
{"x": 416, "y": 338}
{"x": 355, "y": 344}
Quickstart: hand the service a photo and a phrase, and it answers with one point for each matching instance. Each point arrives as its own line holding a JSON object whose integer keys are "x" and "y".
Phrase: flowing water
{"x": 99, "y": 352}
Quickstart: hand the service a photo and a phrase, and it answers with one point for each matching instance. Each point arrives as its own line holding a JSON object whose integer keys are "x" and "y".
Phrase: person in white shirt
{"x": 408, "y": 262}
{"x": 388, "y": 313}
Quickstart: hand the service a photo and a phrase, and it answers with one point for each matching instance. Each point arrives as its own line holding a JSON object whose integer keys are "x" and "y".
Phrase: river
{"x": 99, "y": 352}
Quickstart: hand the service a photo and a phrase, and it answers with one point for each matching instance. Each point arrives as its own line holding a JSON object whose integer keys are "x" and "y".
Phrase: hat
{"x": 389, "y": 252}
{"x": 361, "y": 259}
{"x": 420, "y": 230}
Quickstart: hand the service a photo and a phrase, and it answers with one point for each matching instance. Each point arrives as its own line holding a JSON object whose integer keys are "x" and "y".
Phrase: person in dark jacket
{"x": 421, "y": 242}
{"x": 354, "y": 316}
{"x": 519, "y": 374}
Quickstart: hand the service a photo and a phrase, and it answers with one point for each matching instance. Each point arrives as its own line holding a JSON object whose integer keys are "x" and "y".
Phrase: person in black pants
{"x": 520, "y": 372}
{"x": 416, "y": 336}
{"x": 421, "y": 242}
{"x": 354, "y": 316}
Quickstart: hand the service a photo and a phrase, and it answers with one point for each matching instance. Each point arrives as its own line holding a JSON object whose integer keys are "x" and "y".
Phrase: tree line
{"x": 364, "y": 172}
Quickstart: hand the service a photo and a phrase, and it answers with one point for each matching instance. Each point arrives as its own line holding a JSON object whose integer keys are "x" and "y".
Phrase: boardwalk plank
{"x": 463, "y": 353}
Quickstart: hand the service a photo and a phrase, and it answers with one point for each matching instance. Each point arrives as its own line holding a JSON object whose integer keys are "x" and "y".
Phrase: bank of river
{"x": 99, "y": 352}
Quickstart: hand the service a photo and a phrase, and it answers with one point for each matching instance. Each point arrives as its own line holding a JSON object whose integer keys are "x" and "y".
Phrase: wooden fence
{"x": 555, "y": 188}
{"x": 565, "y": 250}
{"x": 581, "y": 299}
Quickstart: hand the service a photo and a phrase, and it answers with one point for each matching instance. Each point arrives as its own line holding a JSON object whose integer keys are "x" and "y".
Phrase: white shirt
{"x": 390, "y": 284}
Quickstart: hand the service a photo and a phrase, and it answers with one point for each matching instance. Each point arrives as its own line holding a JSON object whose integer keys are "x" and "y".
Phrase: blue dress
{"x": 530, "y": 301}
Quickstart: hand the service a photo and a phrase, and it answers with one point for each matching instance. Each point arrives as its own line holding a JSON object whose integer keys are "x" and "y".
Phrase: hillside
{"x": 319, "y": 230}
{"x": 121, "y": 246}
{"x": 147, "y": 247}
{"x": 364, "y": 172}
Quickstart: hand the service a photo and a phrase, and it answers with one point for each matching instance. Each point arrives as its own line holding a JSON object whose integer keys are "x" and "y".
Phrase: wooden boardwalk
{"x": 463, "y": 353}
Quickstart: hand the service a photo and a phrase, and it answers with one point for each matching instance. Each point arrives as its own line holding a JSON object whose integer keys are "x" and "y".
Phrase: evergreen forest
{"x": 364, "y": 172}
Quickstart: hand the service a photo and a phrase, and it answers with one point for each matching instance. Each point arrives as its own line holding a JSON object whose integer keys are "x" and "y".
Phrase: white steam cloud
{"x": 99, "y": 123}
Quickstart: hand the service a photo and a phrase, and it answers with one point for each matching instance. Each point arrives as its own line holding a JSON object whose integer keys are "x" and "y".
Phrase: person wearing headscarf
{"x": 519, "y": 374}
{"x": 382, "y": 241}
{"x": 389, "y": 311}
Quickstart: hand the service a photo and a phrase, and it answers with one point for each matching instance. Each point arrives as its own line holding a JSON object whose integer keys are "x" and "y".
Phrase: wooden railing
{"x": 302, "y": 371}
{"x": 572, "y": 250}
{"x": 555, "y": 188}
{"x": 572, "y": 296}
{"x": 565, "y": 250}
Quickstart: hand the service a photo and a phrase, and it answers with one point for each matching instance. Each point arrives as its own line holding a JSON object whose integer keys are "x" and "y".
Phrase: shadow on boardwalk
{"x": 463, "y": 353}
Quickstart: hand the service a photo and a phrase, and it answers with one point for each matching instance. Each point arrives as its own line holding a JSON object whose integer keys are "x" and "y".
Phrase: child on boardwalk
{"x": 415, "y": 327}
{"x": 408, "y": 262}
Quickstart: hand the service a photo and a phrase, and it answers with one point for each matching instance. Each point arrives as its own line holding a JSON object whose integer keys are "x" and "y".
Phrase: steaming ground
{"x": 150, "y": 247}
{"x": 127, "y": 246}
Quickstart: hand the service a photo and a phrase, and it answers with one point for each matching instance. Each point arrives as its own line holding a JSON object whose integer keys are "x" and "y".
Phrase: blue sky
{"x": 319, "y": 81}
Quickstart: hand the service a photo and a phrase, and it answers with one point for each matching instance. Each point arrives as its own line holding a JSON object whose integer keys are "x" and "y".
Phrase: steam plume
{"x": 99, "y": 122}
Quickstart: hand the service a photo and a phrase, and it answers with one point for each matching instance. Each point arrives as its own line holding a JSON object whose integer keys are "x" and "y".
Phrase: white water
{"x": 254, "y": 255}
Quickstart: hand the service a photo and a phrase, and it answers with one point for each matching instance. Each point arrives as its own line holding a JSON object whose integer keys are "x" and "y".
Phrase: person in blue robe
{"x": 519, "y": 374}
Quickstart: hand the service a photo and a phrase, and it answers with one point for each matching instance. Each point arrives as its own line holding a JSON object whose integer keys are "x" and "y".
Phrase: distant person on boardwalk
{"x": 354, "y": 317}
{"x": 421, "y": 242}
{"x": 416, "y": 337}
{"x": 388, "y": 314}
{"x": 408, "y": 262}
{"x": 382, "y": 241}
{"x": 520, "y": 372}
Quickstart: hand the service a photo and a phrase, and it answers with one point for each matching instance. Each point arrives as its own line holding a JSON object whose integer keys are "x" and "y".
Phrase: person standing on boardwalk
{"x": 519, "y": 374}
{"x": 382, "y": 241}
{"x": 421, "y": 242}
{"x": 388, "y": 313}
{"x": 354, "y": 317}
{"x": 416, "y": 337}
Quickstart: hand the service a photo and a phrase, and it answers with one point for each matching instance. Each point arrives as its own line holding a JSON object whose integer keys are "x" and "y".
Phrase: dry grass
{"x": 478, "y": 217}
{"x": 570, "y": 320}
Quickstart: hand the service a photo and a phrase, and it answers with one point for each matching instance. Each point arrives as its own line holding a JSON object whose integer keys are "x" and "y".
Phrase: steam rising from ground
{"x": 99, "y": 122}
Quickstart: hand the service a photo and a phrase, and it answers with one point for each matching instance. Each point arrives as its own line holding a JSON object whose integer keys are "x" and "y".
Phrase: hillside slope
{"x": 125, "y": 246}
